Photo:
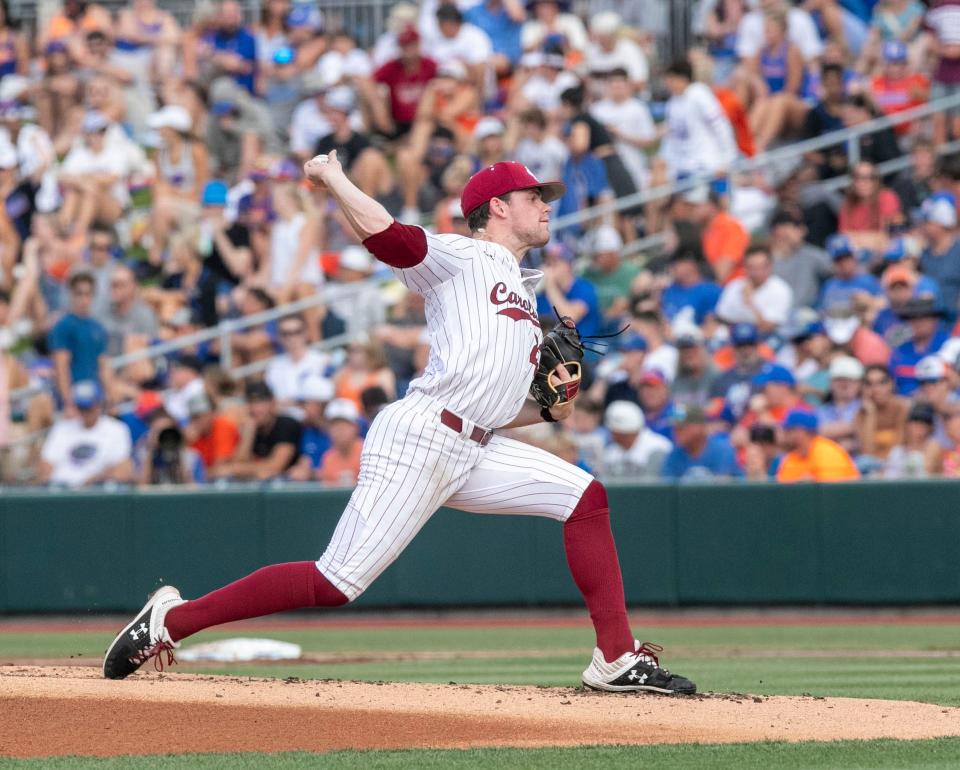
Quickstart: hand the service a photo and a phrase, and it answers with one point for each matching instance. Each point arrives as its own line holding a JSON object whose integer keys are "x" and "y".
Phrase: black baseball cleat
{"x": 144, "y": 637}
{"x": 633, "y": 671}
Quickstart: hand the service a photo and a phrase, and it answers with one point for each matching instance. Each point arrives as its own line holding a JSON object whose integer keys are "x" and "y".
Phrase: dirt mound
{"x": 48, "y": 711}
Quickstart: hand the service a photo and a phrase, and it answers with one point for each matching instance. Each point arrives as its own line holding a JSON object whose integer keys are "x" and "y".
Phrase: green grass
{"x": 942, "y": 754}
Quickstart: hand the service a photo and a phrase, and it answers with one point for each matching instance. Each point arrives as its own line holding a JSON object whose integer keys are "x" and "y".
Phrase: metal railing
{"x": 846, "y": 136}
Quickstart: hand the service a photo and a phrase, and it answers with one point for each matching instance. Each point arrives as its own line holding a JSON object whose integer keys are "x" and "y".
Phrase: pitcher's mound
{"x": 51, "y": 711}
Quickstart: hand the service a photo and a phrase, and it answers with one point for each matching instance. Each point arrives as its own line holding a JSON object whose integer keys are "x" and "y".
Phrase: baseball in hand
{"x": 319, "y": 167}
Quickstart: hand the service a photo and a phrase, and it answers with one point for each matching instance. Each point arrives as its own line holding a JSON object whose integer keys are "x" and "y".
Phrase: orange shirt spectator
{"x": 340, "y": 464}
{"x": 725, "y": 242}
{"x": 896, "y": 88}
{"x": 62, "y": 26}
{"x": 737, "y": 115}
{"x": 219, "y": 443}
{"x": 812, "y": 457}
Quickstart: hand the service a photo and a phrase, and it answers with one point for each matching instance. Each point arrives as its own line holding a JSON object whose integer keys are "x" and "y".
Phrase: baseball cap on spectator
{"x": 785, "y": 217}
{"x": 198, "y": 404}
{"x": 532, "y": 59}
{"x": 342, "y": 409}
{"x": 894, "y": 52}
{"x": 449, "y": 13}
{"x": 923, "y": 412}
{"x": 921, "y": 307}
{"x": 688, "y": 415}
{"x": 743, "y": 334}
{"x": 187, "y": 361}
{"x": 930, "y": 369}
{"x": 773, "y": 373}
{"x": 839, "y": 246}
{"x": 313, "y": 82}
{"x": 223, "y": 107}
{"x": 950, "y": 352}
{"x": 147, "y": 403}
{"x": 453, "y": 68}
{"x": 896, "y": 251}
{"x": 316, "y": 388}
{"x": 654, "y": 377}
{"x": 214, "y": 193}
{"x": 501, "y": 178}
{"x": 688, "y": 336}
{"x": 454, "y": 210}
{"x": 172, "y": 116}
{"x": 560, "y": 250}
{"x": 12, "y": 87}
{"x": 807, "y": 330}
{"x": 940, "y": 209}
{"x": 801, "y": 418}
{"x": 606, "y": 238}
{"x": 606, "y": 23}
{"x": 257, "y": 390}
{"x": 8, "y": 155}
{"x": 305, "y": 15}
{"x": 554, "y": 60}
{"x": 840, "y": 330}
{"x": 488, "y": 126}
{"x": 624, "y": 417}
{"x": 898, "y": 274}
{"x": 846, "y": 368}
{"x": 94, "y": 122}
{"x": 340, "y": 98}
{"x": 86, "y": 394}
{"x": 408, "y": 35}
{"x": 356, "y": 258}
{"x": 55, "y": 46}
{"x": 285, "y": 170}
{"x": 634, "y": 343}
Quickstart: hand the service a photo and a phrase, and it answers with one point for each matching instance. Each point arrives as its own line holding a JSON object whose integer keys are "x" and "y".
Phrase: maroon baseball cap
{"x": 408, "y": 35}
{"x": 502, "y": 178}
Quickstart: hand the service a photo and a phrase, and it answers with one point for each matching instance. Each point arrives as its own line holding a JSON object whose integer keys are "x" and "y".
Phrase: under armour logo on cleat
{"x": 136, "y": 633}
{"x": 633, "y": 676}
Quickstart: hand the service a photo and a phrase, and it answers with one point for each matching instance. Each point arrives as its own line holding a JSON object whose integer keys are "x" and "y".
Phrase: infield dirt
{"x": 47, "y": 711}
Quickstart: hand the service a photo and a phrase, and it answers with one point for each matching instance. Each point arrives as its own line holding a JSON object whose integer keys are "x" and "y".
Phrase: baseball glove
{"x": 561, "y": 345}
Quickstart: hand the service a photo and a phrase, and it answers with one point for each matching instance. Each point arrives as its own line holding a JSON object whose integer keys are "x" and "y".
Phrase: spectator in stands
{"x": 919, "y": 455}
{"x": 552, "y": 21}
{"x": 623, "y": 383}
{"x": 166, "y": 457}
{"x": 762, "y": 456}
{"x": 934, "y": 389}
{"x": 940, "y": 259}
{"x": 292, "y": 263}
{"x": 611, "y": 50}
{"x": 405, "y": 81}
{"x": 914, "y": 185}
{"x": 636, "y": 452}
{"x": 571, "y": 295}
{"x": 315, "y": 393}
{"x": 224, "y": 248}
{"x": 287, "y": 373}
{"x": 89, "y": 448}
{"x": 942, "y": 23}
{"x": 806, "y": 355}
{"x": 661, "y": 355}
{"x": 891, "y": 21}
{"x": 610, "y": 276}
{"x": 78, "y": 344}
{"x": 502, "y": 21}
{"x": 456, "y": 41}
{"x": 811, "y": 457}
{"x": 269, "y": 442}
{"x": 366, "y": 366}
{"x": 899, "y": 284}
{"x": 657, "y": 403}
{"x": 696, "y": 453}
{"x": 850, "y": 286}
{"x": 688, "y": 298}
{"x": 825, "y": 117}
{"x": 149, "y": 37}
{"x": 732, "y": 387}
{"x": 234, "y": 46}
{"x": 59, "y": 95}
{"x": 876, "y": 147}
{"x": 254, "y": 342}
{"x": 340, "y": 464}
{"x": 695, "y": 371}
{"x": 699, "y": 138}
{"x": 186, "y": 383}
{"x": 362, "y": 309}
{"x": 214, "y": 436}
{"x": 130, "y": 322}
{"x": 540, "y": 81}
{"x": 950, "y": 458}
{"x": 924, "y": 316}
{"x": 897, "y": 87}
{"x": 803, "y": 266}
{"x": 759, "y": 297}
{"x": 774, "y": 396}
{"x": 589, "y": 435}
{"x": 838, "y": 415}
{"x": 725, "y": 239}
{"x": 801, "y": 30}
{"x": 869, "y": 210}
{"x": 849, "y": 336}
{"x": 538, "y": 149}
{"x": 881, "y": 420}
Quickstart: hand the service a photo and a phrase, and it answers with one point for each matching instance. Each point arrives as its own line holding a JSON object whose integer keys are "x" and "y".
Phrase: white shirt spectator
{"x": 633, "y": 120}
{"x": 568, "y": 25}
{"x": 286, "y": 376}
{"x": 643, "y": 459}
{"x": 544, "y": 93}
{"x": 545, "y": 159}
{"x": 77, "y": 454}
{"x": 801, "y": 31}
{"x": 471, "y": 45}
{"x": 284, "y": 244}
{"x": 119, "y": 157}
{"x": 626, "y": 54}
{"x": 307, "y": 126}
{"x": 175, "y": 401}
{"x": 773, "y": 299}
{"x": 699, "y": 136}
{"x": 664, "y": 359}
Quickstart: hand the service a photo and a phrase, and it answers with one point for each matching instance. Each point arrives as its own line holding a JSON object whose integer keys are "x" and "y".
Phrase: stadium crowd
{"x": 786, "y": 329}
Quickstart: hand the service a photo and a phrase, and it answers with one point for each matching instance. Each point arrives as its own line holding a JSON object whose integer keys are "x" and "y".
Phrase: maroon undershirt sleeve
{"x": 399, "y": 245}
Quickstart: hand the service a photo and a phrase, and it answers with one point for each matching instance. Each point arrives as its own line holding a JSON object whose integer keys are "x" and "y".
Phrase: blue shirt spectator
{"x": 924, "y": 316}
{"x": 586, "y": 181}
{"x": 313, "y": 444}
{"x": 701, "y": 298}
{"x": 848, "y": 279}
{"x": 502, "y": 29}
{"x": 233, "y": 38}
{"x": 569, "y": 294}
{"x": 697, "y": 454}
{"x": 78, "y": 343}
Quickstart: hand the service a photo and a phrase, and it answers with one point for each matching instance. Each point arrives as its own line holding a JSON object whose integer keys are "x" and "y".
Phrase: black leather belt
{"x": 455, "y": 422}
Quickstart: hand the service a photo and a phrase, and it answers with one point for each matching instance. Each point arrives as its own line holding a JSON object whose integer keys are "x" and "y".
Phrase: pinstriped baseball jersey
{"x": 482, "y": 325}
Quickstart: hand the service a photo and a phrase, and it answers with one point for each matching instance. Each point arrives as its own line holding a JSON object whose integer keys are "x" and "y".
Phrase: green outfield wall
{"x": 870, "y": 543}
